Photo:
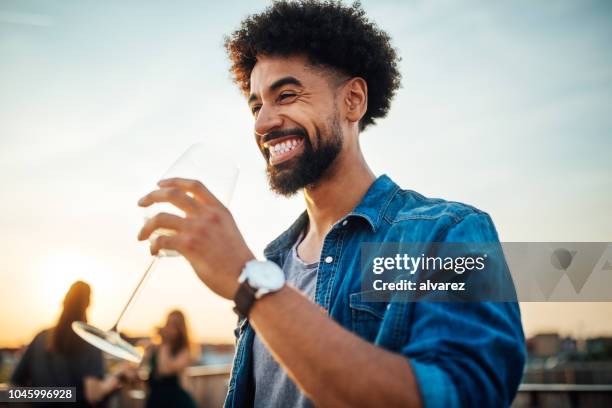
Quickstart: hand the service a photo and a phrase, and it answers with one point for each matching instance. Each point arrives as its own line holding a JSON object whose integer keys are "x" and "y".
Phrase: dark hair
{"x": 181, "y": 341}
{"x": 328, "y": 33}
{"x": 62, "y": 338}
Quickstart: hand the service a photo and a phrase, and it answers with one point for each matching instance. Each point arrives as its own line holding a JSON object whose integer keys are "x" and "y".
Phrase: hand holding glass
{"x": 200, "y": 162}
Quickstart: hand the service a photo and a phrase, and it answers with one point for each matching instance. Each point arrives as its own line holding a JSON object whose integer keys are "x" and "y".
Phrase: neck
{"x": 338, "y": 192}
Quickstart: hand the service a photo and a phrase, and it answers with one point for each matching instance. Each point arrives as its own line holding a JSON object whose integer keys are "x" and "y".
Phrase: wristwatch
{"x": 258, "y": 278}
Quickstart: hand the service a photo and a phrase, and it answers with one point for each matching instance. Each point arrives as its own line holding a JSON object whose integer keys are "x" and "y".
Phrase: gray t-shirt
{"x": 273, "y": 388}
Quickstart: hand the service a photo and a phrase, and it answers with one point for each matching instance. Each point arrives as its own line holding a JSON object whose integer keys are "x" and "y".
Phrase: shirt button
{"x": 344, "y": 223}
{"x": 329, "y": 259}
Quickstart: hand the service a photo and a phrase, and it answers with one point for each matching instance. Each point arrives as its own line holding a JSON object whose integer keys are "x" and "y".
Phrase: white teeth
{"x": 282, "y": 147}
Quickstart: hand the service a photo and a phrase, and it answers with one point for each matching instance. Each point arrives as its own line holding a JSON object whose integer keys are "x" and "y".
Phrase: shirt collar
{"x": 371, "y": 208}
{"x": 374, "y": 203}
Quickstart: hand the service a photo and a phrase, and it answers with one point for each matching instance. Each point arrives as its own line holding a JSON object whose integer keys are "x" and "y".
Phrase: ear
{"x": 355, "y": 99}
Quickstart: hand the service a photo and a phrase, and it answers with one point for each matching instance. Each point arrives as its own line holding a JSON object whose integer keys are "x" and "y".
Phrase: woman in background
{"x": 167, "y": 361}
{"x": 57, "y": 357}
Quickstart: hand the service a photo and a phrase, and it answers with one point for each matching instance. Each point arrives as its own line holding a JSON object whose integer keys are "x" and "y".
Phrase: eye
{"x": 286, "y": 95}
{"x": 255, "y": 109}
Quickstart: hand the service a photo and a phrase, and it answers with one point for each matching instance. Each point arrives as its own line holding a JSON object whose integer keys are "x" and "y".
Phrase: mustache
{"x": 285, "y": 132}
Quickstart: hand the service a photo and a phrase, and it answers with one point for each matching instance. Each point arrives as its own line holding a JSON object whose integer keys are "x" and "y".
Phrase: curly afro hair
{"x": 330, "y": 34}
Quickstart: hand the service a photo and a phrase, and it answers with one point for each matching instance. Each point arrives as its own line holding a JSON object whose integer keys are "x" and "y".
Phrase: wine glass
{"x": 200, "y": 162}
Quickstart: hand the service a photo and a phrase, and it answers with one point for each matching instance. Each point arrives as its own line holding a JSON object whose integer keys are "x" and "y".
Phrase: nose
{"x": 267, "y": 120}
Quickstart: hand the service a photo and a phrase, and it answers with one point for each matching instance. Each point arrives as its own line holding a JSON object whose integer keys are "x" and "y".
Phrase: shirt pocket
{"x": 366, "y": 317}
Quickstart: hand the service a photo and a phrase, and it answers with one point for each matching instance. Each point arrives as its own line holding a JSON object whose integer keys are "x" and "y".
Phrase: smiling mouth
{"x": 283, "y": 149}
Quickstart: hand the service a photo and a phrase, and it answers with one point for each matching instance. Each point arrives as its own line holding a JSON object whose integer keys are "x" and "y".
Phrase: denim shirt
{"x": 463, "y": 354}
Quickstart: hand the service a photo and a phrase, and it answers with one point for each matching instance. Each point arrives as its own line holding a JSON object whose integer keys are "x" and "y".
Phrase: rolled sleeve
{"x": 436, "y": 388}
{"x": 466, "y": 353}
{"x": 471, "y": 354}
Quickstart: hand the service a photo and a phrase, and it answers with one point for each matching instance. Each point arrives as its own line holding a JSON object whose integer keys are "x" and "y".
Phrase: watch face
{"x": 265, "y": 275}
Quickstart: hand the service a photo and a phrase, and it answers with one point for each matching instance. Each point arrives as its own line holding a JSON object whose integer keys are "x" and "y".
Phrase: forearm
{"x": 169, "y": 365}
{"x": 96, "y": 389}
{"x": 331, "y": 365}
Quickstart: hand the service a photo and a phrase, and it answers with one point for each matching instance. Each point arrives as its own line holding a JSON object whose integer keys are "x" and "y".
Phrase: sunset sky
{"x": 505, "y": 106}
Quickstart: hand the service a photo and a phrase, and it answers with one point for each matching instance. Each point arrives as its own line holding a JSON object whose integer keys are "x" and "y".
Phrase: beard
{"x": 309, "y": 167}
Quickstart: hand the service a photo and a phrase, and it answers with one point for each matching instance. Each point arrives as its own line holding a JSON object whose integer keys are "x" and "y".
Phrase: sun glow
{"x": 57, "y": 270}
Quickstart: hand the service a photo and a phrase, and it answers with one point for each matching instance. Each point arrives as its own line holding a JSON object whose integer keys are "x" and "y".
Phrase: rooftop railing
{"x": 208, "y": 386}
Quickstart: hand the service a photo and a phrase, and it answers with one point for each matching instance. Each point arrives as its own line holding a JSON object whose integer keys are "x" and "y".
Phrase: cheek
{"x": 304, "y": 117}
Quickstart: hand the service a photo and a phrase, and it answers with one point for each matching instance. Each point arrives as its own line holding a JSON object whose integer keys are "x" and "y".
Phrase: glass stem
{"x": 144, "y": 276}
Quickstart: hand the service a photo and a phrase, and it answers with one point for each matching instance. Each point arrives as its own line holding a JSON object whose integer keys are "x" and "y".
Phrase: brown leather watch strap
{"x": 244, "y": 299}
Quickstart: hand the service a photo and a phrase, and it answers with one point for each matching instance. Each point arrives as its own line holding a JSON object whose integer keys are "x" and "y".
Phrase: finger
{"x": 195, "y": 187}
{"x": 169, "y": 242}
{"x": 172, "y": 195}
{"x": 161, "y": 220}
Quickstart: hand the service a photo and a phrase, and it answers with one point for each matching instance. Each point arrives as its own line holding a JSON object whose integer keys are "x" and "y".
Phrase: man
{"x": 315, "y": 75}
